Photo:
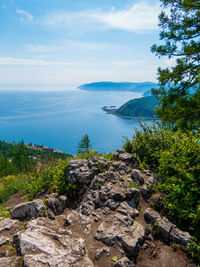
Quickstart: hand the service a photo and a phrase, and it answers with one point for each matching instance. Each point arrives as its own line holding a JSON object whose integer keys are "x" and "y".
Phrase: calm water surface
{"x": 59, "y": 119}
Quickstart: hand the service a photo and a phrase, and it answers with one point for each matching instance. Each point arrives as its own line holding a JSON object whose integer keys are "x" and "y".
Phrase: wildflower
{"x": 169, "y": 205}
{"x": 173, "y": 184}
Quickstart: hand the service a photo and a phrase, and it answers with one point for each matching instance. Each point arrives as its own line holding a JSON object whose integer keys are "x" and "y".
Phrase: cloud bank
{"x": 139, "y": 17}
{"x": 37, "y": 62}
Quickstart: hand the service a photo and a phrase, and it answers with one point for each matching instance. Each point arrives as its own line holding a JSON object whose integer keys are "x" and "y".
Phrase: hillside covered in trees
{"x": 119, "y": 86}
{"x": 17, "y": 158}
{"x": 138, "y": 108}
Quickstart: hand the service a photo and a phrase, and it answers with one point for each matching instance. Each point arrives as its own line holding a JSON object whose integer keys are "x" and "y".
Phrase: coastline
{"x": 131, "y": 117}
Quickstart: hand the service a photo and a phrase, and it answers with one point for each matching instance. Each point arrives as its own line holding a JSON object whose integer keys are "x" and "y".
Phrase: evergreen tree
{"x": 20, "y": 157}
{"x": 179, "y": 91}
{"x": 84, "y": 144}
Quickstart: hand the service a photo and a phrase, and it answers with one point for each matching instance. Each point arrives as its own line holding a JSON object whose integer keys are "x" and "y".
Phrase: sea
{"x": 59, "y": 119}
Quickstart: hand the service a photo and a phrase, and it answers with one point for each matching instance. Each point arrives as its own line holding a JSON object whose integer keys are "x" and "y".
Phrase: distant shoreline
{"x": 131, "y": 117}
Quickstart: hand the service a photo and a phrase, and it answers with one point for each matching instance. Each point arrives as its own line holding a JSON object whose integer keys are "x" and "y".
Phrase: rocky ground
{"x": 110, "y": 224}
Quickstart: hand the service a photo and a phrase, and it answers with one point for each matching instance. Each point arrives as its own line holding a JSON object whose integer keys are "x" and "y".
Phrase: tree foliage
{"x": 84, "y": 144}
{"x": 179, "y": 91}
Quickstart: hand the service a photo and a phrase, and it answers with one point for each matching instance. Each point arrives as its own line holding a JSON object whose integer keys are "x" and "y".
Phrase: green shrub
{"x": 133, "y": 185}
{"x": 179, "y": 168}
{"x": 60, "y": 177}
{"x": 100, "y": 167}
{"x": 194, "y": 250}
{"x": 40, "y": 182}
{"x": 73, "y": 190}
{"x": 149, "y": 142}
{"x": 52, "y": 177}
{"x": 4, "y": 212}
{"x": 175, "y": 246}
{"x": 87, "y": 154}
{"x": 155, "y": 230}
{"x": 107, "y": 156}
{"x": 98, "y": 185}
{"x": 11, "y": 184}
{"x": 128, "y": 145}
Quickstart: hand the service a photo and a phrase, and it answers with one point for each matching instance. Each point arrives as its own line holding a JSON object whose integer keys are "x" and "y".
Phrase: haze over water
{"x": 59, "y": 119}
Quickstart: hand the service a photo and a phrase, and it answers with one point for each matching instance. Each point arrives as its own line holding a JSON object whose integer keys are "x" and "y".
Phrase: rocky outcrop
{"x": 57, "y": 204}
{"x": 82, "y": 171}
{"x": 103, "y": 228}
{"x": 167, "y": 230}
{"x": 137, "y": 176}
{"x": 128, "y": 159}
{"x": 124, "y": 231}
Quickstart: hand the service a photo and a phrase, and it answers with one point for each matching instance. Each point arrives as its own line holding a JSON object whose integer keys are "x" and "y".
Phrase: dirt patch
{"x": 15, "y": 199}
{"x": 159, "y": 254}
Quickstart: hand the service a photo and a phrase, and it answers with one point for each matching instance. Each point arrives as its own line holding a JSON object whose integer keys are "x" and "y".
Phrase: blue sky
{"x": 64, "y": 43}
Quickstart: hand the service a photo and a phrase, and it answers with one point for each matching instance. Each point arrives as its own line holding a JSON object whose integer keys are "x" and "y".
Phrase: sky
{"x": 65, "y": 43}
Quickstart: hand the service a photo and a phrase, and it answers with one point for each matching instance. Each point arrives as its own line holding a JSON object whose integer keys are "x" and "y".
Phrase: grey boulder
{"x": 124, "y": 262}
{"x": 170, "y": 232}
{"x": 28, "y": 210}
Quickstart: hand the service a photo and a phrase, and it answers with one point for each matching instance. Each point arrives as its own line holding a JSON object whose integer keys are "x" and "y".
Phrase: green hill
{"x": 119, "y": 86}
{"x": 140, "y": 108}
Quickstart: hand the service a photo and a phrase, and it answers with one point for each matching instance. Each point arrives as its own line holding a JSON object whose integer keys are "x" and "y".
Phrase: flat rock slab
{"x": 170, "y": 232}
{"x": 166, "y": 229}
{"x": 7, "y": 224}
{"x": 42, "y": 245}
{"x": 43, "y": 260}
{"x": 11, "y": 262}
{"x": 4, "y": 240}
{"x": 122, "y": 230}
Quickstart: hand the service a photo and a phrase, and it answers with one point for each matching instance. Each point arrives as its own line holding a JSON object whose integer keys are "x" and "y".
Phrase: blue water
{"x": 59, "y": 119}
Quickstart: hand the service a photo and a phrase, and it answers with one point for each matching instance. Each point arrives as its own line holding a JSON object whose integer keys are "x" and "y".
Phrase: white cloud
{"x": 43, "y": 48}
{"x": 75, "y": 44}
{"x": 89, "y": 45}
{"x": 26, "y": 16}
{"x": 37, "y": 62}
{"x": 126, "y": 63}
{"x": 139, "y": 17}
